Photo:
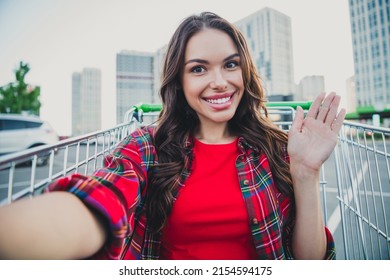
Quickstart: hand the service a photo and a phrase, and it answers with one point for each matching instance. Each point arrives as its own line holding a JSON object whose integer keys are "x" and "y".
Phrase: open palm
{"x": 312, "y": 139}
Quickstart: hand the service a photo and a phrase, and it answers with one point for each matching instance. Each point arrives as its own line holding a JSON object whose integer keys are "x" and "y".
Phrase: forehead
{"x": 210, "y": 43}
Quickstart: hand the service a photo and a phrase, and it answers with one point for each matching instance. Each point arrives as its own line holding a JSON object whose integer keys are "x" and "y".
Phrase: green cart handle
{"x": 147, "y": 108}
{"x": 293, "y": 104}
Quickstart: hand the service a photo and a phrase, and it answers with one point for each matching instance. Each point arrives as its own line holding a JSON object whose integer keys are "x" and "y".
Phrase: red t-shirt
{"x": 209, "y": 218}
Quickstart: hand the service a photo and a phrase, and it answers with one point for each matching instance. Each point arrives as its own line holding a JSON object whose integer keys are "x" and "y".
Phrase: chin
{"x": 223, "y": 119}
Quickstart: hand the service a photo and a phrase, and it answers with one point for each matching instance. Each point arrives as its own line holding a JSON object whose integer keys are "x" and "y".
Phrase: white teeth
{"x": 219, "y": 100}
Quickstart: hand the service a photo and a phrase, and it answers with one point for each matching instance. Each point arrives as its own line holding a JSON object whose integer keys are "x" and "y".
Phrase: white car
{"x": 20, "y": 132}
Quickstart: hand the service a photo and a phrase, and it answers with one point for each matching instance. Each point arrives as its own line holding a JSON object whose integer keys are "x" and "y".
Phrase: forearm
{"x": 309, "y": 239}
{"x": 52, "y": 226}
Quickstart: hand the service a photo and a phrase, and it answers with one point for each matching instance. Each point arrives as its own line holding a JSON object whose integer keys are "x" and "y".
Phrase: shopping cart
{"x": 355, "y": 181}
{"x": 363, "y": 179}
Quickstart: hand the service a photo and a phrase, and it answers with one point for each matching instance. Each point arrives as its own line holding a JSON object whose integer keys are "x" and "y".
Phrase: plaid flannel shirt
{"x": 117, "y": 191}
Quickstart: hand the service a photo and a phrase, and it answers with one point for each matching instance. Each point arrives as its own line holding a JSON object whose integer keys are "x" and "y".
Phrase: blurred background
{"x": 92, "y": 60}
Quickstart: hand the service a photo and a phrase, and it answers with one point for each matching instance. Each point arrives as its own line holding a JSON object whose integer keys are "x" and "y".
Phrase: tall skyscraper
{"x": 309, "y": 87}
{"x": 76, "y": 104}
{"x": 269, "y": 36}
{"x": 134, "y": 81}
{"x": 351, "y": 94}
{"x": 371, "y": 51}
{"x": 86, "y": 101}
{"x": 157, "y": 69}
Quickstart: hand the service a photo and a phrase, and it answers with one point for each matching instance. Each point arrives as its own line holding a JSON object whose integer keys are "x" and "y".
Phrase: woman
{"x": 215, "y": 179}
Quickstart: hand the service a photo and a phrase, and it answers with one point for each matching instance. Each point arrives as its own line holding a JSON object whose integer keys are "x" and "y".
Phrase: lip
{"x": 219, "y": 96}
{"x": 219, "y": 106}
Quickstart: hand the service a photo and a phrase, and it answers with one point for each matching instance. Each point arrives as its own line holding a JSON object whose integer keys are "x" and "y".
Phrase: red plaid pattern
{"x": 117, "y": 191}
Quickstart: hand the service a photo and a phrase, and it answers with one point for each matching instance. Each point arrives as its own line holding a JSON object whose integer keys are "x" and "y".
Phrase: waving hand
{"x": 313, "y": 138}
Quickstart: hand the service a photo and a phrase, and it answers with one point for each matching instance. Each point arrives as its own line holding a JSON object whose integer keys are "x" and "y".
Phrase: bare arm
{"x": 311, "y": 141}
{"x": 309, "y": 239}
{"x": 56, "y": 225}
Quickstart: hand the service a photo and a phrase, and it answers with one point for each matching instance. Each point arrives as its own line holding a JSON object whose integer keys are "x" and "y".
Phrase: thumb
{"x": 298, "y": 120}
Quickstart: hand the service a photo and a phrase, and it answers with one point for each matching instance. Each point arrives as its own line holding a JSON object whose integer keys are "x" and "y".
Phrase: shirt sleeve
{"x": 330, "y": 246}
{"x": 114, "y": 192}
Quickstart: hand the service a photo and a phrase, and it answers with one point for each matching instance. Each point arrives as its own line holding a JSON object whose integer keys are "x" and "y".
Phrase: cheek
{"x": 193, "y": 88}
{"x": 240, "y": 81}
{"x": 236, "y": 79}
{"x": 240, "y": 84}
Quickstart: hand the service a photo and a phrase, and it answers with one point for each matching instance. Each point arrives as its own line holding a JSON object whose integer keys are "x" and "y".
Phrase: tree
{"x": 18, "y": 97}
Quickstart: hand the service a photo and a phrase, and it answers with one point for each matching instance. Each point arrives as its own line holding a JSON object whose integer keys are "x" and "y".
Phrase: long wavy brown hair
{"x": 178, "y": 121}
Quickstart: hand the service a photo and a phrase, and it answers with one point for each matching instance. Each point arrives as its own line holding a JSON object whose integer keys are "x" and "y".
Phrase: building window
{"x": 249, "y": 30}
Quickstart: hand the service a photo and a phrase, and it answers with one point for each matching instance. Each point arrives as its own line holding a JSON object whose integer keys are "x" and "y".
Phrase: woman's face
{"x": 212, "y": 78}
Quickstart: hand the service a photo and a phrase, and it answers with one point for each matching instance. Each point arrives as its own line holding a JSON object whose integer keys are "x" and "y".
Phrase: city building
{"x": 371, "y": 53}
{"x": 309, "y": 87}
{"x": 351, "y": 94}
{"x": 134, "y": 81}
{"x": 269, "y": 37}
{"x": 86, "y": 101}
{"x": 157, "y": 70}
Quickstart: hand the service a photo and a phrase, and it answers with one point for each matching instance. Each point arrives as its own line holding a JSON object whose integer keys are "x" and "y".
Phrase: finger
{"x": 298, "y": 120}
{"x": 325, "y": 106}
{"x": 334, "y": 107}
{"x": 338, "y": 122}
{"x": 313, "y": 111}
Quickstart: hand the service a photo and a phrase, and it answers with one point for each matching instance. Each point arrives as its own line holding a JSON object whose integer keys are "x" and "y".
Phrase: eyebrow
{"x": 202, "y": 61}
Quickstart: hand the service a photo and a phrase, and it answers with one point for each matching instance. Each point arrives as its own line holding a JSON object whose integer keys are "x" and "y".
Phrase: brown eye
{"x": 197, "y": 69}
{"x": 231, "y": 64}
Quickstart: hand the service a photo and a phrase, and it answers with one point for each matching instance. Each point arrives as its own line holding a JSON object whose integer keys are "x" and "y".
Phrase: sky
{"x": 59, "y": 37}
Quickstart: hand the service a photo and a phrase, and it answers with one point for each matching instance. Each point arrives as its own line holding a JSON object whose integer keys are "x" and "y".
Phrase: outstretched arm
{"x": 311, "y": 142}
{"x": 51, "y": 226}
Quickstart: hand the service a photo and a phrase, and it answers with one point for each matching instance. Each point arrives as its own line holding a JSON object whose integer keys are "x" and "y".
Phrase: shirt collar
{"x": 243, "y": 144}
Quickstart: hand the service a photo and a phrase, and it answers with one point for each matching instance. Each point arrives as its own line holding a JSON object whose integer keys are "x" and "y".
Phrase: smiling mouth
{"x": 219, "y": 100}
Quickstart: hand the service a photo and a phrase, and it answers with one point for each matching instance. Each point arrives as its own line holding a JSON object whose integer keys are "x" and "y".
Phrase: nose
{"x": 218, "y": 81}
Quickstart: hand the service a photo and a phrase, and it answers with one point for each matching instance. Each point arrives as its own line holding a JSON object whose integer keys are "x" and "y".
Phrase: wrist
{"x": 300, "y": 172}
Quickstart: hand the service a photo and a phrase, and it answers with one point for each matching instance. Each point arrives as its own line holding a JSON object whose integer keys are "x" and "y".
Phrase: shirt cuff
{"x": 330, "y": 246}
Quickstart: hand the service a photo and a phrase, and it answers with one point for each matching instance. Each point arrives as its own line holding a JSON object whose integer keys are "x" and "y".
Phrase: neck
{"x": 214, "y": 134}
